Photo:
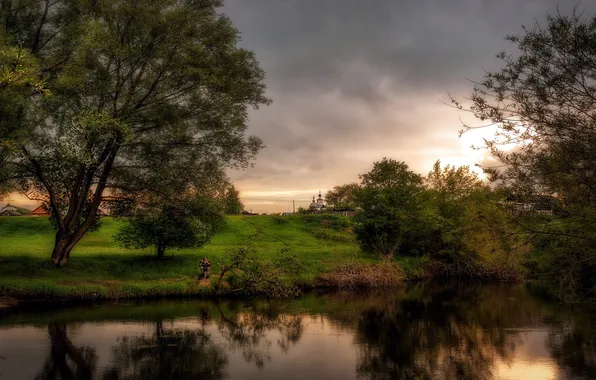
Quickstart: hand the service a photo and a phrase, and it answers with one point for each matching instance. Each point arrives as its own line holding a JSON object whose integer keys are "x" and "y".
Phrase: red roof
{"x": 40, "y": 211}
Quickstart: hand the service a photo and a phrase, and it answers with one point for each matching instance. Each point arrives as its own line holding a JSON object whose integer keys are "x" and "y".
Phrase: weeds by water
{"x": 354, "y": 275}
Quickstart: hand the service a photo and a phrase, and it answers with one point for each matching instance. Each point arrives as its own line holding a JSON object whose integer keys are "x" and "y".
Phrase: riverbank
{"x": 100, "y": 269}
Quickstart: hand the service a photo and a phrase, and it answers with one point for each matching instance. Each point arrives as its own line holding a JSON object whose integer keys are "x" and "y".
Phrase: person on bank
{"x": 205, "y": 265}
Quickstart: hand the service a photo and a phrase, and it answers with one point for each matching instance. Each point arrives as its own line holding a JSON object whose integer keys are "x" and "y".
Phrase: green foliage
{"x": 392, "y": 209}
{"x": 253, "y": 276}
{"x": 542, "y": 102}
{"x": 146, "y": 96}
{"x": 451, "y": 220}
{"x": 343, "y": 196}
{"x": 453, "y": 183}
{"x": 174, "y": 223}
{"x": 19, "y": 81}
{"x": 234, "y": 205}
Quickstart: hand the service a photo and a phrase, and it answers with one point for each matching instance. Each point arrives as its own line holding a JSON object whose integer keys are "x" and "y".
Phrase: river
{"x": 440, "y": 331}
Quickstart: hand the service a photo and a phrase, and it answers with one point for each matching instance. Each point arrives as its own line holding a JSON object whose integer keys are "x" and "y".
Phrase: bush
{"x": 354, "y": 275}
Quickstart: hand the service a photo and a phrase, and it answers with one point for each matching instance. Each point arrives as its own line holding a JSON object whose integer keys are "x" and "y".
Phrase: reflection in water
{"x": 250, "y": 332}
{"x": 574, "y": 349}
{"x": 438, "y": 332}
{"x": 66, "y": 361}
{"x": 167, "y": 354}
{"x": 438, "y": 340}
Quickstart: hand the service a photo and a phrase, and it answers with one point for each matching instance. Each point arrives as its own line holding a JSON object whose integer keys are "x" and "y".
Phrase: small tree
{"x": 234, "y": 205}
{"x": 343, "y": 196}
{"x": 181, "y": 222}
{"x": 474, "y": 235}
{"x": 391, "y": 201}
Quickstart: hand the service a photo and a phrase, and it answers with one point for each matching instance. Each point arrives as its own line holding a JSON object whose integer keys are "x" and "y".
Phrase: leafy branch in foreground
{"x": 542, "y": 104}
{"x": 242, "y": 272}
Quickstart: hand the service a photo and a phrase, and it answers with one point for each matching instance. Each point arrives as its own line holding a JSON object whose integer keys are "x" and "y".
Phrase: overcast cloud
{"x": 355, "y": 80}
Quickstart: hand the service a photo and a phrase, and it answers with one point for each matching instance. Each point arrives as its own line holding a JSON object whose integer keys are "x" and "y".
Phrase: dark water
{"x": 453, "y": 331}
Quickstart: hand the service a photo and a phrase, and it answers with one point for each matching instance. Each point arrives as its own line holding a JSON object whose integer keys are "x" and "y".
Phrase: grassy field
{"x": 99, "y": 268}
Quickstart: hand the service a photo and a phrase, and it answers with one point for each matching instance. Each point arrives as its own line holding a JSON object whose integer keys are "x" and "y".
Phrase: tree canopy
{"x": 543, "y": 106}
{"x": 176, "y": 222}
{"x": 141, "y": 96}
{"x": 343, "y": 196}
{"x": 234, "y": 205}
{"x": 390, "y": 202}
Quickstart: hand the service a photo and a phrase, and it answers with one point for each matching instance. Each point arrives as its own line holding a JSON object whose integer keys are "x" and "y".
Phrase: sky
{"x": 353, "y": 81}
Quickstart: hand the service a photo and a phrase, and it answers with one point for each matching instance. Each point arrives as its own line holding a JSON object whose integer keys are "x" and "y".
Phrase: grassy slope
{"x": 100, "y": 268}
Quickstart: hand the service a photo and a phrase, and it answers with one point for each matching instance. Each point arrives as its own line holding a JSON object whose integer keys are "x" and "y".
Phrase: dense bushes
{"x": 450, "y": 217}
{"x": 385, "y": 274}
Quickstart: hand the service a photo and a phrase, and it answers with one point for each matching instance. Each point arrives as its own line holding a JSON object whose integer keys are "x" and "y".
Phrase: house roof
{"x": 9, "y": 213}
{"x": 19, "y": 210}
{"x": 39, "y": 210}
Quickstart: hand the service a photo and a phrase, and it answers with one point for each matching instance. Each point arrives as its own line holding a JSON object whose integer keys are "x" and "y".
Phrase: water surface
{"x": 447, "y": 331}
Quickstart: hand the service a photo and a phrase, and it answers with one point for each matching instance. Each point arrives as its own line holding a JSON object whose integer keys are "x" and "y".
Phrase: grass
{"x": 100, "y": 268}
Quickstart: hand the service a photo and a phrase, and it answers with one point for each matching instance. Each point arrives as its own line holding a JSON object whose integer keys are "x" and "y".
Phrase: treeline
{"x": 451, "y": 217}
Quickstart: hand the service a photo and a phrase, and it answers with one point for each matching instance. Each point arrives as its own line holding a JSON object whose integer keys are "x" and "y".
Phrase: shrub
{"x": 354, "y": 275}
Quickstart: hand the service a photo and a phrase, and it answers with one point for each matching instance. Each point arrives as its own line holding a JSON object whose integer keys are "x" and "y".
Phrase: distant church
{"x": 319, "y": 204}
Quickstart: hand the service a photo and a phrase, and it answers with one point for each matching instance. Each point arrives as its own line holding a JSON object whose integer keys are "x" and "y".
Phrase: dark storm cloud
{"x": 354, "y": 80}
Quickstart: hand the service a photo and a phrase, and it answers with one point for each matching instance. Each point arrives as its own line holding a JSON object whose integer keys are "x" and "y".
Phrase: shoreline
{"x": 10, "y": 301}
{"x": 13, "y": 293}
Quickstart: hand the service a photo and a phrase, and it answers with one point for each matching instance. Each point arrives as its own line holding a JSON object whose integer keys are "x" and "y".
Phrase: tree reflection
{"x": 443, "y": 331}
{"x": 251, "y": 332}
{"x": 458, "y": 335}
{"x": 168, "y": 354}
{"x": 573, "y": 346}
{"x": 67, "y": 361}
{"x": 183, "y": 353}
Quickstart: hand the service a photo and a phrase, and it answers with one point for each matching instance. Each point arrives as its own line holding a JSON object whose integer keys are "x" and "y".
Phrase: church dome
{"x": 319, "y": 203}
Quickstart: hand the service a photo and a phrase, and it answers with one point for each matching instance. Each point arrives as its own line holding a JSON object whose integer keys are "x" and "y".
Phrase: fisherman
{"x": 205, "y": 264}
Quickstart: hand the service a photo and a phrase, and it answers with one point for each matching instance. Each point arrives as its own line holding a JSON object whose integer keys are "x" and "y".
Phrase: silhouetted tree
{"x": 168, "y": 354}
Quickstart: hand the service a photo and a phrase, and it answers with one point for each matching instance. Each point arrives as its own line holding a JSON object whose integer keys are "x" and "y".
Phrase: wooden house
{"x": 40, "y": 211}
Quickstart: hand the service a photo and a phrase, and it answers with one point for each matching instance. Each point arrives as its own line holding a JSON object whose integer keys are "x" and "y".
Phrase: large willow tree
{"x": 138, "y": 95}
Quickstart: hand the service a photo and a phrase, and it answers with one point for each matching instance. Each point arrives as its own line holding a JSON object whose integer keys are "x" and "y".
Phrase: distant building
{"x": 319, "y": 204}
{"x": 40, "y": 211}
{"x": 535, "y": 204}
{"x": 10, "y": 210}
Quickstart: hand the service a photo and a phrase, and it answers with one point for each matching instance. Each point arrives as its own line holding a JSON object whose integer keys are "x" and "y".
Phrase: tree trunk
{"x": 62, "y": 349}
{"x": 160, "y": 250}
{"x": 62, "y": 248}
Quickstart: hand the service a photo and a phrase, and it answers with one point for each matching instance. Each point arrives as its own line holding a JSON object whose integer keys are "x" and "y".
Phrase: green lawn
{"x": 100, "y": 268}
